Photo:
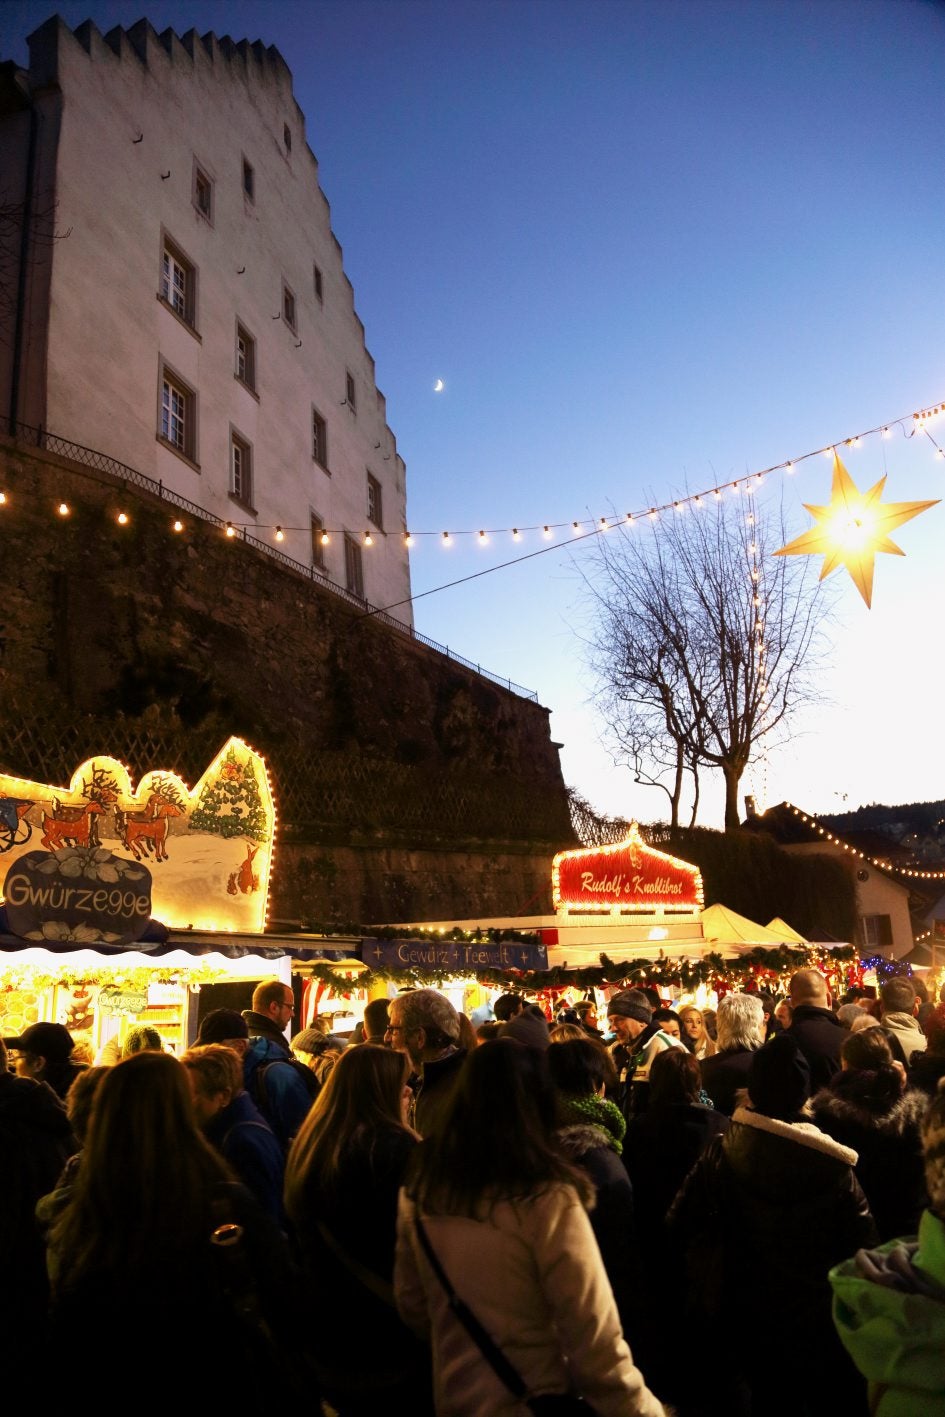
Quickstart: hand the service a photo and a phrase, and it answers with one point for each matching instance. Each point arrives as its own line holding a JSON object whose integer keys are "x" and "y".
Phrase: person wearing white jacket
{"x": 505, "y": 1216}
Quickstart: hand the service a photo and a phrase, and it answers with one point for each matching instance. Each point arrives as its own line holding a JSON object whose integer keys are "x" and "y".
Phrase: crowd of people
{"x": 663, "y": 1210}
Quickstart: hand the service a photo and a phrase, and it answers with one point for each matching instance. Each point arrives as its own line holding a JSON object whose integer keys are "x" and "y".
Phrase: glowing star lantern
{"x": 853, "y": 528}
{"x": 628, "y": 877}
{"x": 207, "y": 850}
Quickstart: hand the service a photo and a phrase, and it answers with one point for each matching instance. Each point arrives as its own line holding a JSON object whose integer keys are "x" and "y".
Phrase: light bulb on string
{"x": 63, "y": 509}
{"x": 483, "y": 539}
{"x": 516, "y": 534}
{"x": 122, "y": 518}
{"x": 178, "y": 525}
{"x": 230, "y": 529}
{"x": 325, "y": 538}
{"x": 789, "y": 468}
{"x": 575, "y": 527}
{"x": 603, "y": 523}
{"x": 3, "y": 499}
{"x": 408, "y": 539}
{"x": 368, "y": 539}
{"x": 547, "y": 533}
{"x": 446, "y": 539}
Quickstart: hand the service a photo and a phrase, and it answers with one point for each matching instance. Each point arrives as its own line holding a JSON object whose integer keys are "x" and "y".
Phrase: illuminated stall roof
{"x": 99, "y": 861}
{"x": 626, "y": 878}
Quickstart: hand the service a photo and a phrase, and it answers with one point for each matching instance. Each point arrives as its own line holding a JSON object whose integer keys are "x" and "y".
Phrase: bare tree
{"x": 703, "y": 642}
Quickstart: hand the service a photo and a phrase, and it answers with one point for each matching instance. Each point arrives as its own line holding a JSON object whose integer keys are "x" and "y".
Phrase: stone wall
{"x": 408, "y": 786}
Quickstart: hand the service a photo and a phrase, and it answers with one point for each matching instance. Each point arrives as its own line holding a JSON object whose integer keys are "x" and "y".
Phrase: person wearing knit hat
{"x": 528, "y": 1027}
{"x": 889, "y": 1303}
{"x": 637, "y": 1041}
{"x": 224, "y": 1026}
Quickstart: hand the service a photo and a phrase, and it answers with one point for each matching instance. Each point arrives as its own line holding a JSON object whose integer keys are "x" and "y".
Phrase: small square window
{"x": 287, "y": 137}
{"x": 374, "y": 503}
{"x": 288, "y": 307}
{"x": 241, "y": 470}
{"x": 179, "y": 283}
{"x": 319, "y": 439}
{"x": 318, "y": 543}
{"x": 203, "y": 193}
{"x": 317, "y": 279}
{"x": 177, "y": 420}
{"x": 245, "y": 357}
{"x": 354, "y": 576}
{"x": 351, "y": 393}
{"x": 249, "y": 180}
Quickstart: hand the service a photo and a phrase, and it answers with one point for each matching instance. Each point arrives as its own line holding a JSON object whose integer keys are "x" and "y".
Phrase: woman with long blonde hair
{"x": 344, "y": 1171}
{"x": 695, "y": 1035}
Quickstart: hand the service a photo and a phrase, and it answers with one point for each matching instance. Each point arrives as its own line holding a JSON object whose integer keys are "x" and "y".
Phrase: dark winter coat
{"x": 245, "y": 1139}
{"x": 724, "y": 1075}
{"x": 436, "y": 1089}
{"x": 593, "y": 1148}
{"x": 766, "y": 1211}
{"x": 348, "y": 1231}
{"x": 819, "y": 1035}
{"x": 884, "y": 1132}
{"x": 926, "y": 1072}
{"x": 661, "y": 1149}
{"x": 275, "y": 1082}
{"x": 35, "y": 1142}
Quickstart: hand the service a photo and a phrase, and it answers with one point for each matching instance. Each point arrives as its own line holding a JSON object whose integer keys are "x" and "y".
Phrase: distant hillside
{"x": 917, "y": 827}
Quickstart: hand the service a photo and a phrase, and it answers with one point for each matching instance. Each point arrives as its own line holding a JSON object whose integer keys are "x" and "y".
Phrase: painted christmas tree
{"x": 230, "y": 804}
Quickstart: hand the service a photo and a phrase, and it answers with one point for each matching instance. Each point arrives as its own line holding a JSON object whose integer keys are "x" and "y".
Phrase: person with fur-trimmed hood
{"x": 762, "y": 1216}
{"x": 868, "y": 1107}
{"x": 889, "y": 1304}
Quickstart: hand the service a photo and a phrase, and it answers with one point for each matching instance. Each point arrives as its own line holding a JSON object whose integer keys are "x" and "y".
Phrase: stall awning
{"x": 722, "y": 927}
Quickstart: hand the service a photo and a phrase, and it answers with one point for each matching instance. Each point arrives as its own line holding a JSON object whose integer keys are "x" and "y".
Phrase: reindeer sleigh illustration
{"x": 218, "y": 835}
{"x": 144, "y": 833}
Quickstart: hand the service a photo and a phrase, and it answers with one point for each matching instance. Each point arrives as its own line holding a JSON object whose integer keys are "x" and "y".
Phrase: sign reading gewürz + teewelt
{"x": 78, "y": 894}
{"x": 627, "y": 876}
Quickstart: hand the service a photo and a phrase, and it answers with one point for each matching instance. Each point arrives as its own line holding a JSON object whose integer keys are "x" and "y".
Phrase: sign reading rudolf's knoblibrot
{"x": 628, "y": 877}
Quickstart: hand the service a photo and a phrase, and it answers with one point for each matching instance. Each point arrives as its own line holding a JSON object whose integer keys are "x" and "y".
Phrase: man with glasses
{"x": 281, "y": 1087}
{"x": 425, "y": 1026}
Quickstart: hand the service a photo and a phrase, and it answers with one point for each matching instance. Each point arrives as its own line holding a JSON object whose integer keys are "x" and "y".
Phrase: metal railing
{"x": 101, "y": 462}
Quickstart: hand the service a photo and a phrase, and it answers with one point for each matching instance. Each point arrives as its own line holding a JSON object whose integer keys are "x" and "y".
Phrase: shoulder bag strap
{"x": 379, "y": 1287}
{"x": 490, "y": 1350}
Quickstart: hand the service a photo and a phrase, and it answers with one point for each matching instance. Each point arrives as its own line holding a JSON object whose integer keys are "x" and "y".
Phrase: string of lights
{"x": 878, "y": 862}
{"x": 581, "y": 527}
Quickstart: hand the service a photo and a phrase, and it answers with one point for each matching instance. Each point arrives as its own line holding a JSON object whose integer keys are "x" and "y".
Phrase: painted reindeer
{"x": 141, "y": 833}
{"x": 66, "y": 831}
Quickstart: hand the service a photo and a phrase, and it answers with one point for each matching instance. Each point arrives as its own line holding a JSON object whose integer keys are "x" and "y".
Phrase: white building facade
{"x": 180, "y": 302}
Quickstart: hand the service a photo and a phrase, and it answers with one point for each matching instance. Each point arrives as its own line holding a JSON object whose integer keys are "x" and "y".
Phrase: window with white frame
{"x": 177, "y": 423}
{"x": 877, "y": 931}
{"x": 245, "y": 357}
{"x": 375, "y": 507}
{"x": 354, "y": 575}
{"x": 241, "y": 470}
{"x": 179, "y": 282}
{"x": 319, "y": 439}
{"x": 318, "y": 543}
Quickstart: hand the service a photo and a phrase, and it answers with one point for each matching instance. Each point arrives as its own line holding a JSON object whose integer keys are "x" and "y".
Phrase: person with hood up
{"x": 889, "y": 1304}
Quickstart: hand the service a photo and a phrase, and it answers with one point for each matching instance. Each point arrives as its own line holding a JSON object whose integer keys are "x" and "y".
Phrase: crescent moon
{"x": 438, "y": 386}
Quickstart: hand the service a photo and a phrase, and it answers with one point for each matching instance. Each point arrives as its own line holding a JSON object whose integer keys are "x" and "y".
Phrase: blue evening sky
{"x": 641, "y": 244}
